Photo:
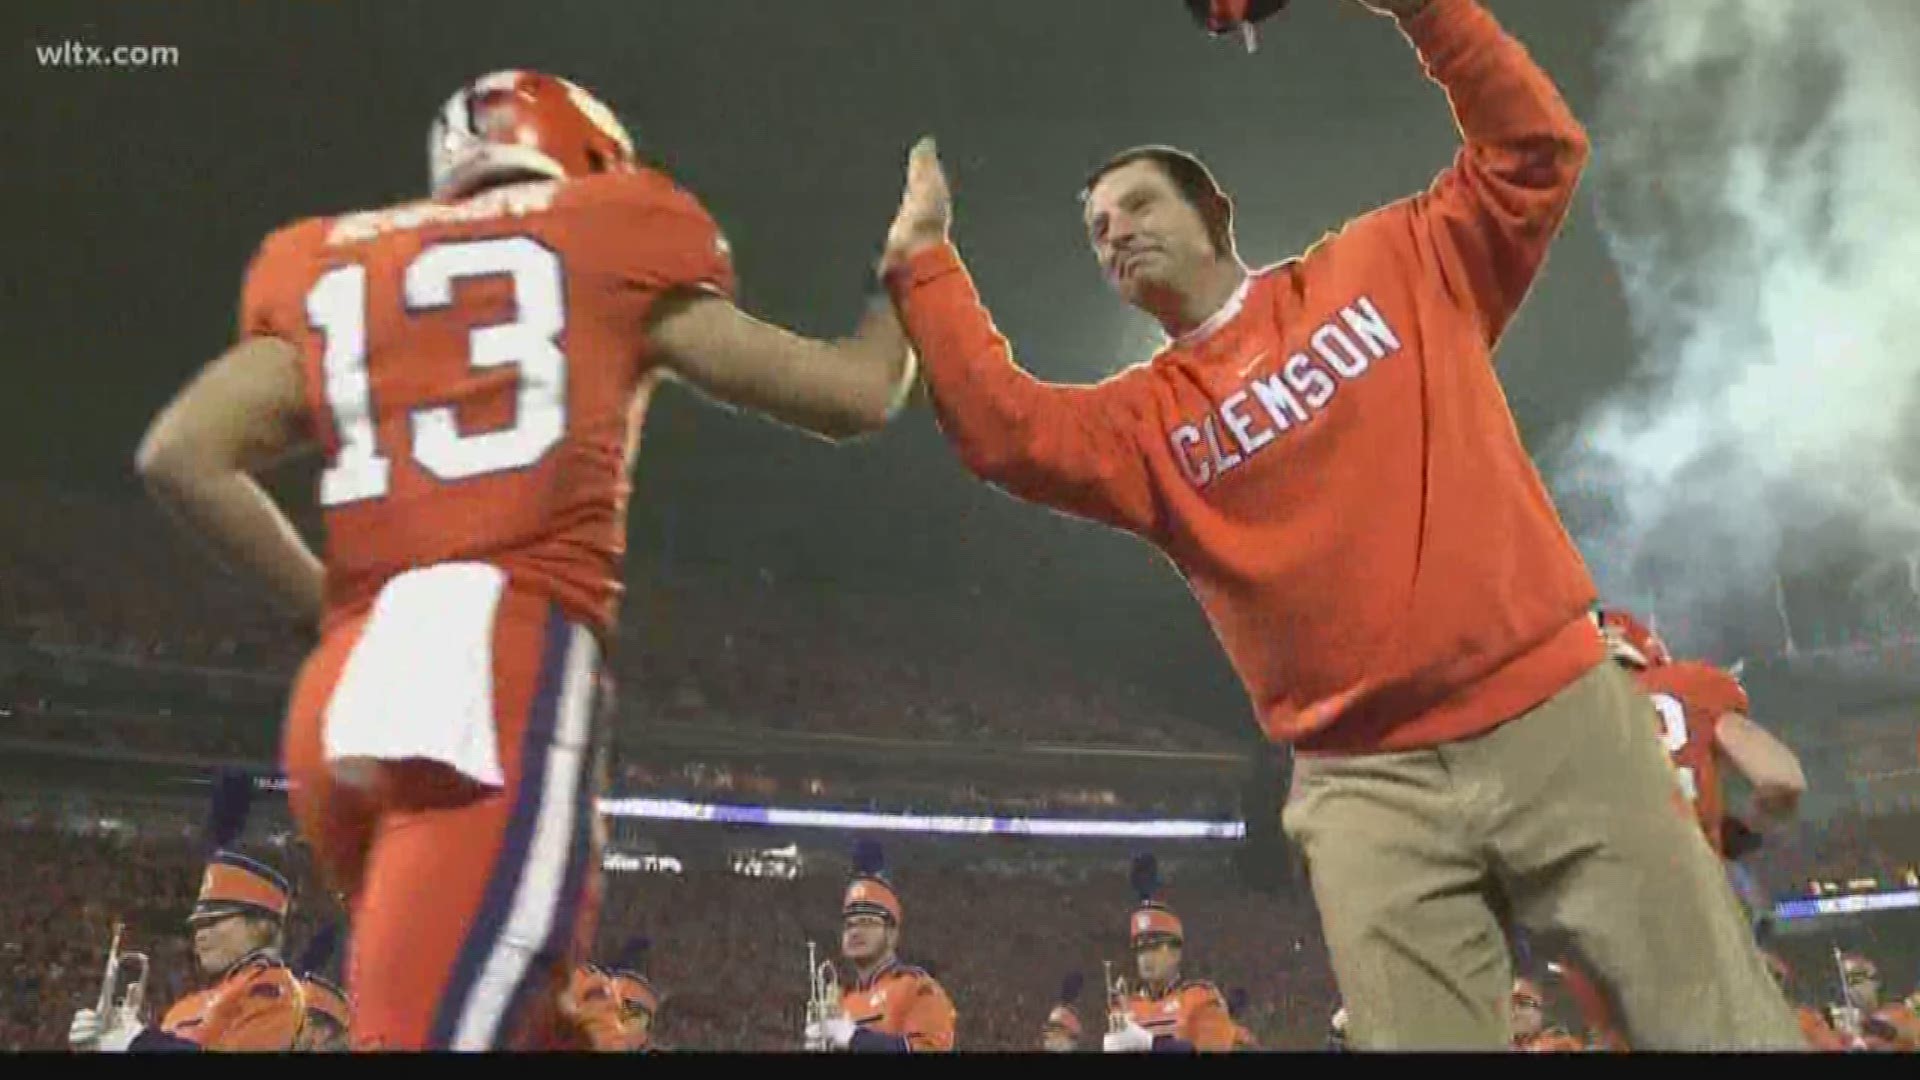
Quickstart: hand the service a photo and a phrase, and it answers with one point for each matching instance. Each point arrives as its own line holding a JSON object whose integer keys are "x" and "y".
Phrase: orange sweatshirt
{"x": 1329, "y": 460}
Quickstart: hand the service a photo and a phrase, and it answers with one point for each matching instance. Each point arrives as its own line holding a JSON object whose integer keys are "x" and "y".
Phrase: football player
{"x": 476, "y": 366}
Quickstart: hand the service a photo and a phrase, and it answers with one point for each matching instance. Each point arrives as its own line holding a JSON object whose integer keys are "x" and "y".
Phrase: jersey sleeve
{"x": 930, "y": 1019}
{"x": 270, "y": 305}
{"x": 1718, "y": 691}
{"x": 187, "y": 1008}
{"x": 1072, "y": 448}
{"x": 1209, "y": 1026}
{"x": 1488, "y": 220}
{"x": 666, "y": 241}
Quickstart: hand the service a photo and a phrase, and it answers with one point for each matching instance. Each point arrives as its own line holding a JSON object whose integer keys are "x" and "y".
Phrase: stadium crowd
{"x": 145, "y": 650}
{"x": 701, "y": 646}
{"x": 729, "y": 950}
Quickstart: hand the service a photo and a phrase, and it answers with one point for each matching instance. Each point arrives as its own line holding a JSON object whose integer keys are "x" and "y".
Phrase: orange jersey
{"x": 1243, "y": 1039}
{"x": 478, "y": 372}
{"x": 1690, "y": 698}
{"x": 1192, "y": 1011}
{"x": 1329, "y": 460}
{"x": 904, "y": 1002}
{"x": 258, "y": 1005}
{"x": 187, "y": 1015}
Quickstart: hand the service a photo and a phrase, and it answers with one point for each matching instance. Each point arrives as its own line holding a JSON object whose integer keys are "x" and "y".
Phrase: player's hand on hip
{"x": 926, "y": 207}
{"x": 1399, "y": 9}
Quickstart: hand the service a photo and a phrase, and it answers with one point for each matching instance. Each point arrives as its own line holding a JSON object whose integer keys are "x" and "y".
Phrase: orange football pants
{"x": 469, "y": 904}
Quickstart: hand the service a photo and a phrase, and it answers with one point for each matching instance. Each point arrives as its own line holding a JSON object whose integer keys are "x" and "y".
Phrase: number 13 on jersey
{"x": 337, "y": 307}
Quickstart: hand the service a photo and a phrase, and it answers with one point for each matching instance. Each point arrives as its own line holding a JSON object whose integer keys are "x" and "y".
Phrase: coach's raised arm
{"x": 1491, "y": 217}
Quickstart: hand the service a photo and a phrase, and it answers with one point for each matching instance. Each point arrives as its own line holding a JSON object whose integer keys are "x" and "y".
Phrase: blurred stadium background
{"x": 129, "y": 674}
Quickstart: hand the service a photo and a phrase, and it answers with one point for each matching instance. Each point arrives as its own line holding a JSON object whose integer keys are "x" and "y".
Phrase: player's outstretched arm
{"x": 1488, "y": 221}
{"x": 1768, "y": 764}
{"x": 1070, "y": 447}
{"x": 838, "y": 389}
{"x": 241, "y": 415}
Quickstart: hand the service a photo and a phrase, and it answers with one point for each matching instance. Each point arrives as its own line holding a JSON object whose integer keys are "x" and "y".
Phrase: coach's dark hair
{"x": 1191, "y": 178}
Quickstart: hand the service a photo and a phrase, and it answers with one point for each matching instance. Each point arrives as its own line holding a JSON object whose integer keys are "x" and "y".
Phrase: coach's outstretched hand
{"x": 926, "y": 207}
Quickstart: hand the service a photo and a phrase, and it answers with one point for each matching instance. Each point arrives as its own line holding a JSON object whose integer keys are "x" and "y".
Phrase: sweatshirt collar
{"x": 1227, "y": 313}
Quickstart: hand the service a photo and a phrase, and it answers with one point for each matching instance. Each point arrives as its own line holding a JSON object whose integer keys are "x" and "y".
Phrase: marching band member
{"x": 329, "y": 1012}
{"x": 1813, "y": 1022}
{"x": 636, "y": 1001}
{"x": 238, "y": 922}
{"x": 890, "y": 1007}
{"x": 1861, "y": 1017}
{"x": 329, "y": 1017}
{"x": 590, "y": 1007}
{"x": 1167, "y": 1013}
{"x": 1061, "y": 1033}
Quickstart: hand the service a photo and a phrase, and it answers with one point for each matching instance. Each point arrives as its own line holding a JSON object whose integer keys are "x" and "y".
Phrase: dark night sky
{"x": 137, "y": 196}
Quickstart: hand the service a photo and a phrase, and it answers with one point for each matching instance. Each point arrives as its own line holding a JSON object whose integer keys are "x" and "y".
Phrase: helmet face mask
{"x": 521, "y": 123}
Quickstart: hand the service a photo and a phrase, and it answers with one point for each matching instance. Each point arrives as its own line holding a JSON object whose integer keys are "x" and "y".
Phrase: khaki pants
{"x": 1562, "y": 820}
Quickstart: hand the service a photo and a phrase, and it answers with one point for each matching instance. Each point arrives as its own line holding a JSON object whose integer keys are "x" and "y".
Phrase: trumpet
{"x": 135, "y": 994}
{"x": 1116, "y": 1000}
{"x": 1844, "y": 1017}
{"x": 823, "y": 989}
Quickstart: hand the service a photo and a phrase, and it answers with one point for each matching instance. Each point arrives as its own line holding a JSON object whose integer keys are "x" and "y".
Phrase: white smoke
{"x": 1758, "y": 175}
